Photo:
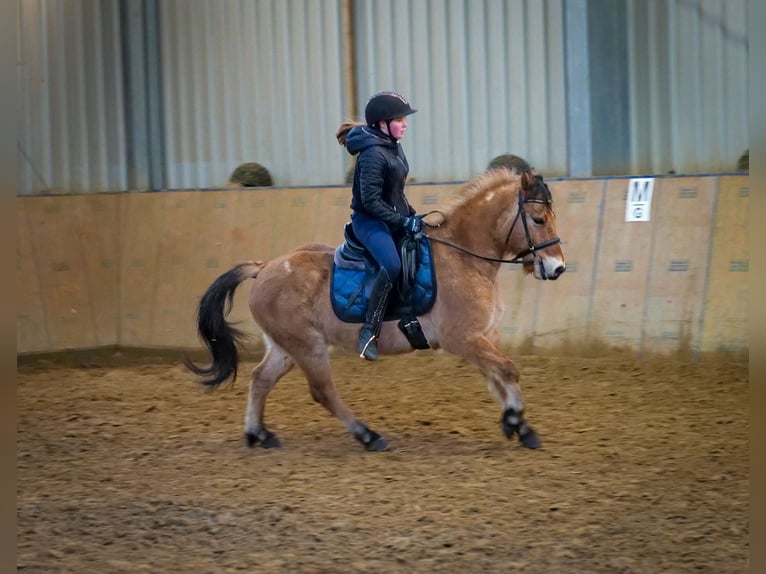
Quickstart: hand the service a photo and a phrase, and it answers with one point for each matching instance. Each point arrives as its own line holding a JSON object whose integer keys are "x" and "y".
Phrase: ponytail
{"x": 343, "y": 130}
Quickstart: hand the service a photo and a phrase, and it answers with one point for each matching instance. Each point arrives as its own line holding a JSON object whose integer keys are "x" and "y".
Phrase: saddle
{"x": 354, "y": 269}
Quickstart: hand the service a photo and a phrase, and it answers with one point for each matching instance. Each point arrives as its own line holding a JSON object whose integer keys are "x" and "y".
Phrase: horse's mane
{"x": 479, "y": 185}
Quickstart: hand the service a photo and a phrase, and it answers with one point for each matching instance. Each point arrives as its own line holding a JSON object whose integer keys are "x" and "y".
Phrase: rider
{"x": 381, "y": 212}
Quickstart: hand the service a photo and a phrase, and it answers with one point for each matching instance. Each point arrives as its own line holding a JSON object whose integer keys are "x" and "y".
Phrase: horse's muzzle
{"x": 552, "y": 276}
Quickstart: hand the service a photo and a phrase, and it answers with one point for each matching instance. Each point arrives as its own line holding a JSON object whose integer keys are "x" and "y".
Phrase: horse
{"x": 290, "y": 301}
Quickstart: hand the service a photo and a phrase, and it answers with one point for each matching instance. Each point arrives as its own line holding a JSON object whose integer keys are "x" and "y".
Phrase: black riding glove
{"x": 412, "y": 224}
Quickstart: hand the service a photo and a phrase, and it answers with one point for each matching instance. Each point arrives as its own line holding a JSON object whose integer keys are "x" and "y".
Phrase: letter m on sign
{"x": 639, "y": 204}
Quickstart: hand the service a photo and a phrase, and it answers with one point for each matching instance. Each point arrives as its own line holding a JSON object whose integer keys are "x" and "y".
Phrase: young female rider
{"x": 380, "y": 210}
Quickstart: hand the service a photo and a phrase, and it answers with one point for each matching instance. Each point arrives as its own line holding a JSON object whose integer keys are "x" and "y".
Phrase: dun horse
{"x": 290, "y": 301}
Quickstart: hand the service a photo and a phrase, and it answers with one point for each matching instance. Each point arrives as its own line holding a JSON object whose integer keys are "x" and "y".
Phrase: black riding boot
{"x": 376, "y": 309}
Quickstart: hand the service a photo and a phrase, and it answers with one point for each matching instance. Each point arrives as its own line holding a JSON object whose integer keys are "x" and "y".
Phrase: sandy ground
{"x": 127, "y": 466}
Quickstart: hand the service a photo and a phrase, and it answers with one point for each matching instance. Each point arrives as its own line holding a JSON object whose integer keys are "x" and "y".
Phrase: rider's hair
{"x": 343, "y": 130}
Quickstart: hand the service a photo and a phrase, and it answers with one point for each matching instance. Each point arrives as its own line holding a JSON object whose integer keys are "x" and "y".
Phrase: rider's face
{"x": 398, "y": 127}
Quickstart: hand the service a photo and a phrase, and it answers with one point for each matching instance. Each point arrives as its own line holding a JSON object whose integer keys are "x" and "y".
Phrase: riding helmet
{"x": 386, "y": 106}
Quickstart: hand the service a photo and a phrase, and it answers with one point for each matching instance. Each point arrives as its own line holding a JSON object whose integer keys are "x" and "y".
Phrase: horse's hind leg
{"x": 503, "y": 382}
{"x": 315, "y": 363}
{"x": 275, "y": 364}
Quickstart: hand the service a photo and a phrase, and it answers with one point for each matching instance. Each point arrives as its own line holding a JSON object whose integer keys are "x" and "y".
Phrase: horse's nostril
{"x": 559, "y": 270}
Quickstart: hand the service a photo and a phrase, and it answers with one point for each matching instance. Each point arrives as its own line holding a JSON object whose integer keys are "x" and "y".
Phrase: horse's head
{"x": 535, "y": 241}
{"x": 506, "y": 212}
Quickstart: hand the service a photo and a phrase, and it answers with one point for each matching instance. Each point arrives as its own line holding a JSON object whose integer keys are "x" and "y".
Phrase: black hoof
{"x": 509, "y": 423}
{"x": 372, "y": 441}
{"x": 513, "y": 423}
{"x": 378, "y": 445}
{"x": 529, "y": 438}
{"x": 267, "y": 439}
{"x": 508, "y": 430}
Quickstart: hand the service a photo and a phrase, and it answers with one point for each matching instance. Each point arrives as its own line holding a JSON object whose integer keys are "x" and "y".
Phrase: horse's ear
{"x": 527, "y": 179}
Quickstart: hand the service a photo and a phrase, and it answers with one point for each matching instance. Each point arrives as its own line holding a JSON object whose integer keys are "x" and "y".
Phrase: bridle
{"x": 520, "y": 215}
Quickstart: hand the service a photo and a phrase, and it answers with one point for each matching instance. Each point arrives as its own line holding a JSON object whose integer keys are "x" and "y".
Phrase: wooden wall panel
{"x": 622, "y": 266}
{"x": 56, "y": 241}
{"x": 521, "y": 297}
{"x": 252, "y": 216}
{"x": 295, "y": 219}
{"x": 129, "y": 269}
{"x": 683, "y": 211}
{"x": 333, "y": 212}
{"x": 425, "y": 198}
{"x": 99, "y": 229}
{"x": 31, "y": 326}
{"x": 182, "y": 225}
{"x": 250, "y": 231}
{"x": 253, "y": 225}
{"x": 563, "y": 307}
{"x": 141, "y": 231}
{"x": 725, "y": 322}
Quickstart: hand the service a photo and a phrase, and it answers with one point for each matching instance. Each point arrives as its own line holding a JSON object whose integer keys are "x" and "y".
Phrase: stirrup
{"x": 372, "y": 344}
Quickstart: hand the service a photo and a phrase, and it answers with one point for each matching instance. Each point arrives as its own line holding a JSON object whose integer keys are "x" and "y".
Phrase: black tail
{"x": 220, "y": 337}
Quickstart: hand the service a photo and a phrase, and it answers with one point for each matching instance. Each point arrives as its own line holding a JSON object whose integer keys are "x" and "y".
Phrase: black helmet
{"x": 386, "y": 106}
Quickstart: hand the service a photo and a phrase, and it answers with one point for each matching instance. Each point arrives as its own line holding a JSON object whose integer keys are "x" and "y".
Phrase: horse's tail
{"x": 219, "y": 336}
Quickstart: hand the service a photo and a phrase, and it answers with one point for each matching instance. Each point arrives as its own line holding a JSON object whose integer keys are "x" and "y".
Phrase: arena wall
{"x": 127, "y": 269}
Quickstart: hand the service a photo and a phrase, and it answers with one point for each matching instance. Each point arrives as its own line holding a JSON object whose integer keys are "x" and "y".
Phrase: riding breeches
{"x": 376, "y": 237}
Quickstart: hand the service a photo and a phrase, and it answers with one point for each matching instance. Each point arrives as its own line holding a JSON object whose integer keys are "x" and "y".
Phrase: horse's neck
{"x": 483, "y": 224}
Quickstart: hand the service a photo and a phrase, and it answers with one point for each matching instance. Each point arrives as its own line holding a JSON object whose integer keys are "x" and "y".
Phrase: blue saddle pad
{"x": 353, "y": 272}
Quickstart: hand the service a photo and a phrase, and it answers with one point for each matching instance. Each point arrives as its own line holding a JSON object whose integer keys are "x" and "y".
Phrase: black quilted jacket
{"x": 379, "y": 176}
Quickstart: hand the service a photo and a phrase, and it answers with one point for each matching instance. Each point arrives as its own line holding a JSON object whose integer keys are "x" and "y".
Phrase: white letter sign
{"x": 639, "y": 204}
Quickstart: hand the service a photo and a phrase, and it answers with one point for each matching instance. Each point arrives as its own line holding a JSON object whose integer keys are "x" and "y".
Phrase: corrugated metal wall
{"x": 263, "y": 80}
{"x": 487, "y": 77}
{"x": 248, "y": 80}
{"x": 71, "y": 134}
{"x": 688, "y": 85}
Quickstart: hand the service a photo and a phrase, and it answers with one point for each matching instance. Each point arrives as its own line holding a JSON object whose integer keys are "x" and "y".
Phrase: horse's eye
{"x": 539, "y": 220}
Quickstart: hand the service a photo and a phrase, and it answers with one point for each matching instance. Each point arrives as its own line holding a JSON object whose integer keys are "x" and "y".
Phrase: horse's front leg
{"x": 502, "y": 377}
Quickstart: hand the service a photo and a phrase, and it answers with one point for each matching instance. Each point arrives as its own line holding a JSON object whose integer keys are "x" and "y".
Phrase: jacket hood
{"x": 362, "y": 137}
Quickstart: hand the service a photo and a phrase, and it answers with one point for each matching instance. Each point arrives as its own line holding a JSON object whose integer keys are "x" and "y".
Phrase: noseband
{"x": 532, "y": 246}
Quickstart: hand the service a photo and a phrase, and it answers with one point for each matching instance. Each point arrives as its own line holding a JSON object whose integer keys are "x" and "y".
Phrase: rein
{"x": 520, "y": 214}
